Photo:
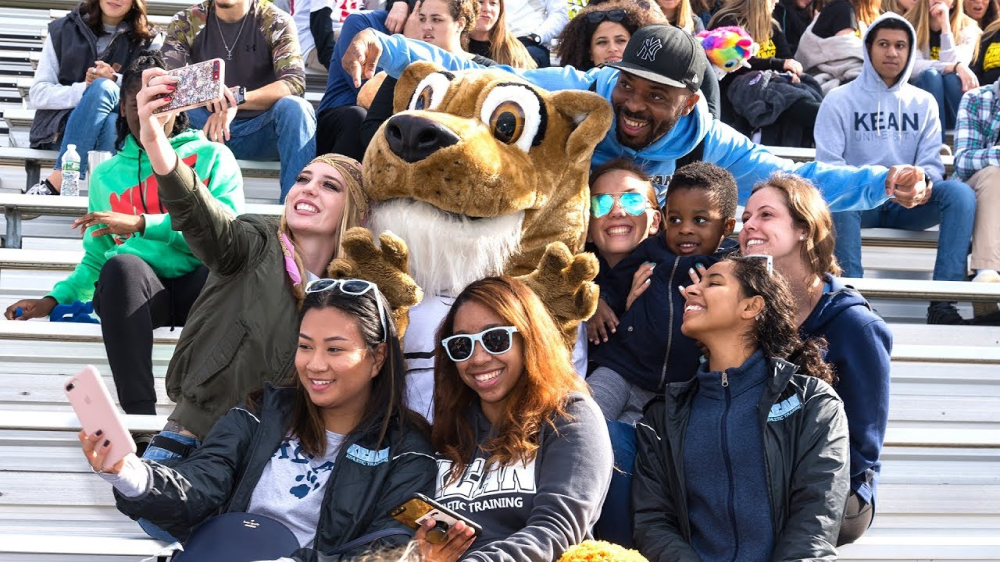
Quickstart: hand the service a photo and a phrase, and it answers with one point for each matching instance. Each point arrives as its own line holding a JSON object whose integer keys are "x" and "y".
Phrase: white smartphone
{"x": 96, "y": 410}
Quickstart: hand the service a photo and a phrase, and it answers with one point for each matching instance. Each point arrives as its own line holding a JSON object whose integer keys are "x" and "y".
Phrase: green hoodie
{"x": 126, "y": 184}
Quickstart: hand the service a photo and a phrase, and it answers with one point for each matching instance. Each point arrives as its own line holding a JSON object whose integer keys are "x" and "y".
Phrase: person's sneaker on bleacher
{"x": 944, "y": 313}
{"x": 41, "y": 188}
{"x": 981, "y": 310}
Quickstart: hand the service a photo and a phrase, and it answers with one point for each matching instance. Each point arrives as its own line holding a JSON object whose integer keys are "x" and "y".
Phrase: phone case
{"x": 200, "y": 84}
{"x": 97, "y": 411}
{"x": 419, "y": 508}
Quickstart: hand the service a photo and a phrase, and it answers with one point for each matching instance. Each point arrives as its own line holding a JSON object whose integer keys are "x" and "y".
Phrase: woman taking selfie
{"x": 241, "y": 330}
{"x": 75, "y": 91}
{"x": 786, "y": 218}
{"x": 328, "y": 454}
{"x": 748, "y": 460}
{"x": 523, "y": 449}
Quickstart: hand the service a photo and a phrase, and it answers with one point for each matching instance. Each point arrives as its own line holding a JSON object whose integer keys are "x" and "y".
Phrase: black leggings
{"x": 338, "y": 130}
{"x": 858, "y": 517}
{"x": 132, "y": 301}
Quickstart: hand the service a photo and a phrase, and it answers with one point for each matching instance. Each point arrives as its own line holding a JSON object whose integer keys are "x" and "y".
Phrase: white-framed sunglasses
{"x": 496, "y": 341}
{"x": 768, "y": 259}
{"x": 353, "y": 287}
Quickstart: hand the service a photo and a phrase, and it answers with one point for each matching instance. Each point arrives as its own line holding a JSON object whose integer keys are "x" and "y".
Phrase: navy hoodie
{"x": 859, "y": 345}
{"x": 648, "y": 348}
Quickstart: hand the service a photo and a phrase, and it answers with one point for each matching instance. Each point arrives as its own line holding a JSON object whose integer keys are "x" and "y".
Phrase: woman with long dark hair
{"x": 328, "y": 454}
{"x": 76, "y": 88}
{"x": 749, "y": 459}
{"x": 523, "y": 449}
{"x": 490, "y": 38}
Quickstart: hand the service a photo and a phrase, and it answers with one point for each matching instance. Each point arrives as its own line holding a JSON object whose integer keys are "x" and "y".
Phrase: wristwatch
{"x": 534, "y": 38}
{"x": 240, "y": 93}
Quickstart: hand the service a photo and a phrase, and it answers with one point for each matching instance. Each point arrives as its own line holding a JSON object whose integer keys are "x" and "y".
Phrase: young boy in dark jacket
{"x": 647, "y": 350}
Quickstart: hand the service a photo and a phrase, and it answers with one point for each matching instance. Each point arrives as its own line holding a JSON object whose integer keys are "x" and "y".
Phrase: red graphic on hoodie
{"x": 143, "y": 198}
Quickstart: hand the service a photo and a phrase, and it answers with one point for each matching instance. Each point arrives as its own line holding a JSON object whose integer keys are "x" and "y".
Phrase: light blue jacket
{"x": 844, "y": 188}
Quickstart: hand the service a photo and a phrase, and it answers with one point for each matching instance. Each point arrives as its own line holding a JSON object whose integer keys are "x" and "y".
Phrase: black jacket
{"x": 220, "y": 477}
{"x": 806, "y": 453}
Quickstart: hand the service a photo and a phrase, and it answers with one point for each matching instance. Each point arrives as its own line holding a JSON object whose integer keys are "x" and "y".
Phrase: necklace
{"x": 229, "y": 50}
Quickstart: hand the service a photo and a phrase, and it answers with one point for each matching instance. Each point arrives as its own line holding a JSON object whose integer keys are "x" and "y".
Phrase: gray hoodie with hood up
{"x": 867, "y": 122}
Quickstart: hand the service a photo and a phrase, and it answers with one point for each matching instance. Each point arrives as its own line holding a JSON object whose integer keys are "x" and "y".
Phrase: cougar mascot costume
{"x": 477, "y": 174}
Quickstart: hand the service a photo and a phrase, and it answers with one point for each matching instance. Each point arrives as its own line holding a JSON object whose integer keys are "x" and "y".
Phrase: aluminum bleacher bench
{"x": 71, "y": 332}
{"x": 154, "y": 7}
{"x": 908, "y": 289}
{"x": 809, "y": 154}
{"x": 15, "y": 206}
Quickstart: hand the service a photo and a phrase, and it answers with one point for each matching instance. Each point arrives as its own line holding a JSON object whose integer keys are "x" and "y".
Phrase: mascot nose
{"x": 414, "y": 138}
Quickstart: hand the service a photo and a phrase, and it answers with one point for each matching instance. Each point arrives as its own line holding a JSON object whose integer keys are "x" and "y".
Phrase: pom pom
{"x": 601, "y": 551}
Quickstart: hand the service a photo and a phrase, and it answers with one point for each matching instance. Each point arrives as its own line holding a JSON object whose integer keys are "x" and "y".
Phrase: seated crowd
{"x": 734, "y": 398}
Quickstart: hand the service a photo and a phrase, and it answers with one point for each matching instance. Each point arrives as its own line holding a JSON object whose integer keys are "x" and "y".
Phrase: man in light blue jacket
{"x": 660, "y": 118}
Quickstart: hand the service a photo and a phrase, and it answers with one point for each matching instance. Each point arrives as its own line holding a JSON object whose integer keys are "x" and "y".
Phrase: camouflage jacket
{"x": 275, "y": 25}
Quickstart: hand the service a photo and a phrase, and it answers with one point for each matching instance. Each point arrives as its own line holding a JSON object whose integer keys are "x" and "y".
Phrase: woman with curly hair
{"x": 749, "y": 459}
{"x": 490, "y": 38}
{"x": 599, "y": 33}
{"x": 523, "y": 449}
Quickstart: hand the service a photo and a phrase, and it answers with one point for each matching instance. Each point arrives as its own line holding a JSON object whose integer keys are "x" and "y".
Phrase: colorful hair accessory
{"x": 728, "y": 48}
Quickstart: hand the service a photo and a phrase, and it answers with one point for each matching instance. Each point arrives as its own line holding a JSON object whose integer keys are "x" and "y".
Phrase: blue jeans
{"x": 161, "y": 454}
{"x": 952, "y": 205}
{"x": 91, "y": 124}
{"x": 285, "y": 133}
{"x": 947, "y": 90}
{"x": 615, "y": 524}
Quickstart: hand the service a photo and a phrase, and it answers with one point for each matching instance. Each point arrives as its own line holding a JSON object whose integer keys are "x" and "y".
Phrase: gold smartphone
{"x": 420, "y": 508}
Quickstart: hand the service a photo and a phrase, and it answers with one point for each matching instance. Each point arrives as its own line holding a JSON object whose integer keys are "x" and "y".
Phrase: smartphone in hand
{"x": 419, "y": 508}
{"x": 96, "y": 410}
{"x": 198, "y": 85}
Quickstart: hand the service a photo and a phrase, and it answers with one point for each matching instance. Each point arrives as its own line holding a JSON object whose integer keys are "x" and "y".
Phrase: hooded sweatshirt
{"x": 126, "y": 184}
{"x": 868, "y": 122}
{"x": 535, "y": 510}
{"x": 859, "y": 344}
{"x": 845, "y": 189}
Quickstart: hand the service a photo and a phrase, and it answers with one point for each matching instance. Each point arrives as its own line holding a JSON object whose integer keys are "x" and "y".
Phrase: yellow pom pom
{"x": 601, "y": 551}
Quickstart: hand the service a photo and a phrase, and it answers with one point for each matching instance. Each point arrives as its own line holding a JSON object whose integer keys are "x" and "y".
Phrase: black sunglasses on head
{"x": 615, "y": 15}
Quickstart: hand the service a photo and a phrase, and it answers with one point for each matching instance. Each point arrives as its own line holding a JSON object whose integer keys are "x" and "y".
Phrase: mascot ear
{"x": 408, "y": 81}
{"x": 591, "y": 115}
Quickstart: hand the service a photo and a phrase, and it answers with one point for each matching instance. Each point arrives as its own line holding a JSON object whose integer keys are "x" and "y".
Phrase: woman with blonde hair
{"x": 679, "y": 13}
{"x": 987, "y": 65}
{"x": 490, "y": 38}
{"x": 946, "y": 45}
{"x": 897, "y": 6}
{"x": 523, "y": 449}
{"x": 786, "y": 218}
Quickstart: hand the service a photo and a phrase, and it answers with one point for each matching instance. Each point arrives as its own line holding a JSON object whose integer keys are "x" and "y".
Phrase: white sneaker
{"x": 980, "y": 309}
{"x": 41, "y": 188}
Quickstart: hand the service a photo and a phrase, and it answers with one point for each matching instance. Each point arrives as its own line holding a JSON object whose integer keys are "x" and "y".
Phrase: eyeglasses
{"x": 496, "y": 341}
{"x": 615, "y": 15}
{"x": 632, "y": 203}
{"x": 768, "y": 260}
{"x": 353, "y": 287}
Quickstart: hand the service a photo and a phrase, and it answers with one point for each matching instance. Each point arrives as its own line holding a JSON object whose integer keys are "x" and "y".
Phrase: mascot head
{"x": 478, "y": 171}
{"x": 728, "y": 48}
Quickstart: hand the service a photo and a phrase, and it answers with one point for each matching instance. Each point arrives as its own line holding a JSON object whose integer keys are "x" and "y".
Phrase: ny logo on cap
{"x": 650, "y": 47}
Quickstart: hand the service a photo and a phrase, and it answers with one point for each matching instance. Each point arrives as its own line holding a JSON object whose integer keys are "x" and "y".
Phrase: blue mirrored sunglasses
{"x": 632, "y": 203}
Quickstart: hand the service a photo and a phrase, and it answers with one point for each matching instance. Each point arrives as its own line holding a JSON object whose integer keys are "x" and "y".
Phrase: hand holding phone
{"x": 105, "y": 439}
{"x": 197, "y": 85}
{"x": 419, "y": 511}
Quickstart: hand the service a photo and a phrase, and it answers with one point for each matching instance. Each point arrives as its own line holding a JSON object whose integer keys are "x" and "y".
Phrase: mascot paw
{"x": 385, "y": 264}
{"x": 564, "y": 282}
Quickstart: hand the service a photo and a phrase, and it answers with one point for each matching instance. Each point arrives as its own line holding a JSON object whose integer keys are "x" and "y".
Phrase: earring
{"x": 802, "y": 238}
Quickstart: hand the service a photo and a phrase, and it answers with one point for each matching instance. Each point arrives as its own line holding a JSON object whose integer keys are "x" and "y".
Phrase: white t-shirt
{"x": 292, "y": 486}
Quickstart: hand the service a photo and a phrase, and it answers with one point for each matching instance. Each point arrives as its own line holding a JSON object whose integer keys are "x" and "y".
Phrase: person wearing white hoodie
{"x": 880, "y": 118}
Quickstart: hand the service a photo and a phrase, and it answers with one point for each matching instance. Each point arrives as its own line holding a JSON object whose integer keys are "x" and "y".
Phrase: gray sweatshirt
{"x": 866, "y": 122}
{"x": 535, "y": 511}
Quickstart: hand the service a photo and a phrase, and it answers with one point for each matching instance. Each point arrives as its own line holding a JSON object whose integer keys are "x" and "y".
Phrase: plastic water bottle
{"x": 71, "y": 172}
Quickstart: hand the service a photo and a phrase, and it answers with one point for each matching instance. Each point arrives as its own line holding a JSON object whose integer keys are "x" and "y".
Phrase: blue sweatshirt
{"x": 340, "y": 90}
{"x": 867, "y": 122}
{"x": 648, "y": 348}
{"x": 859, "y": 345}
{"x": 844, "y": 188}
{"x": 724, "y": 467}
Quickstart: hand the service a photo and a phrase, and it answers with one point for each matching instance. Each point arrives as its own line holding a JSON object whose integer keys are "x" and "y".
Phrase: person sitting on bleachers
{"x": 659, "y": 115}
{"x": 328, "y": 453}
{"x": 786, "y": 219}
{"x": 76, "y": 88}
{"x": 522, "y": 448}
{"x": 489, "y": 37}
{"x": 536, "y": 23}
{"x": 878, "y": 119}
{"x": 749, "y": 459}
{"x": 977, "y": 161}
{"x": 146, "y": 275}
{"x": 263, "y": 115}
{"x": 830, "y": 49}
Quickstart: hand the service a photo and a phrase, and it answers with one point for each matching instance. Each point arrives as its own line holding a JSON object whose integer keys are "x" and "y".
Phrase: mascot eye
{"x": 514, "y": 114}
{"x": 731, "y": 64}
{"x": 507, "y": 122}
{"x": 430, "y": 92}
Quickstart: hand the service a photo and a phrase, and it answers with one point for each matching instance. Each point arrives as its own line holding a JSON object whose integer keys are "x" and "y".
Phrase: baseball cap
{"x": 666, "y": 55}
